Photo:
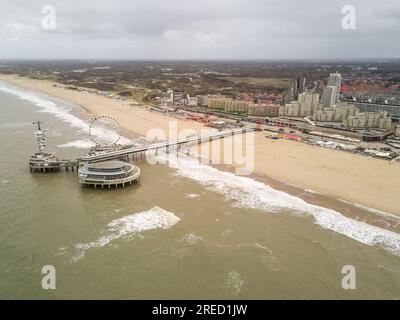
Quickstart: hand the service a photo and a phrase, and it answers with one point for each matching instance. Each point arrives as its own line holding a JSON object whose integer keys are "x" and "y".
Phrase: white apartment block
{"x": 369, "y": 120}
{"x": 306, "y": 105}
{"x": 218, "y": 102}
{"x": 228, "y": 104}
{"x": 263, "y": 110}
{"x": 336, "y": 114}
{"x": 335, "y": 80}
{"x": 290, "y": 109}
{"x": 329, "y": 97}
{"x": 236, "y": 106}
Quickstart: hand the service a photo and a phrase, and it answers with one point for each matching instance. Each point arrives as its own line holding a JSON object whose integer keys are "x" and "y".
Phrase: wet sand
{"x": 383, "y": 220}
{"x": 353, "y": 178}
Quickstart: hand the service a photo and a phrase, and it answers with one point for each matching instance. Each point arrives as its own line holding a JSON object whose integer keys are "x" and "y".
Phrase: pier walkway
{"x": 111, "y": 155}
{"x": 54, "y": 166}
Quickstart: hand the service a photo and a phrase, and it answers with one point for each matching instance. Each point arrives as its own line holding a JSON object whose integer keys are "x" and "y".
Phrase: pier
{"x": 133, "y": 153}
{"x": 67, "y": 165}
{"x": 111, "y": 166}
{"x": 43, "y": 161}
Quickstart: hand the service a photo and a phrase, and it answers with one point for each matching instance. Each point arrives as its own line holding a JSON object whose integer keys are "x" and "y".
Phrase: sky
{"x": 199, "y": 29}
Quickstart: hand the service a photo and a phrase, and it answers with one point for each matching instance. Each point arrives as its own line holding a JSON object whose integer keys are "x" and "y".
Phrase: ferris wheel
{"x": 104, "y": 131}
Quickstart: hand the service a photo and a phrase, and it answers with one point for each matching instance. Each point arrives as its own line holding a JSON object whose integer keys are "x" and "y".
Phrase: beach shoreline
{"x": 353, "y": 178}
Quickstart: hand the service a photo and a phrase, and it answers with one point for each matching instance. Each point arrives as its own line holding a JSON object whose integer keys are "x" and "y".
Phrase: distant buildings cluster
{"x": 330, "y": 109}
{"x": 321, "y": 104}
{"x": 223, "y": 103}
{"x": 251, "y": 108}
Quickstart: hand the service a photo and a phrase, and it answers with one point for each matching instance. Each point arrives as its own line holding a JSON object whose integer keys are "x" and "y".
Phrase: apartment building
{"x": 369, "y": 120}
{"x": 263, "y": 110}
{"x": 336, "y": 114}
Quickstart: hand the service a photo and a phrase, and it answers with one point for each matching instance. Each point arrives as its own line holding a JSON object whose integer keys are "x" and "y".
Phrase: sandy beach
{"x": 357, "y": 179}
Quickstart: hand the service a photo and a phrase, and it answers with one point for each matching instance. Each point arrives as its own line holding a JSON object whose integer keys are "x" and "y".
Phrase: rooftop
{"x": 114, "y": 164}
{"x": 107, "y": 168}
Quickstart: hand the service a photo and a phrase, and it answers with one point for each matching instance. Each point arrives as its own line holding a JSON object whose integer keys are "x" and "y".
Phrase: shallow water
{"x": 185, "y": 231}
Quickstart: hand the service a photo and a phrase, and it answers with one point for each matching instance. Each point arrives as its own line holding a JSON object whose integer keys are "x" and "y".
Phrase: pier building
{"x": 108, "y": 174}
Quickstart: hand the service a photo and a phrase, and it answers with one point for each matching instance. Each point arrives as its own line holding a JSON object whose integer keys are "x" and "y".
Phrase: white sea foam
{"x": 234, "y": 282}
{"x": 248, "y": 193}
{"x": 311, "y": 191}
{"x": 154, "y": 218}
{"x": 80, "y": 144}
{"x": 191, "y": 238}
{"x": 192, "y": 195}
{"x": 58, "y": 109}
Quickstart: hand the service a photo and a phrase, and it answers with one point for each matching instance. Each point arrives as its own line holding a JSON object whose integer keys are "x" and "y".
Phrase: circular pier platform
{"x": 108, "y": 174}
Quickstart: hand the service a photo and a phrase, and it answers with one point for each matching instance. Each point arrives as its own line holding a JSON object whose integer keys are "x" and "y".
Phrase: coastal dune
{"x": 357, "y": 179}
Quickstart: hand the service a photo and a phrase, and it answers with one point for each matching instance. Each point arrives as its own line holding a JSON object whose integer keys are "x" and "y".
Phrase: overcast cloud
{"x": 199, "y": 29}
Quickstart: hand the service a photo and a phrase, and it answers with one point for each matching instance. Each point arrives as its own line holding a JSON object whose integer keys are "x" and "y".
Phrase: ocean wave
{"x": 60, "y": 110}
{"x": 154, "y": 218}
{"x": 245, "y": 192}
{"x": 80, "y": 144}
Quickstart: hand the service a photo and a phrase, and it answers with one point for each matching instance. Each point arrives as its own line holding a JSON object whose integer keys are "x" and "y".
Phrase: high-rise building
{"x": 309, "y": 103}
{"x": 335, "y": 80}
{"x": 306, "y": 105}
{"x": 329, "y": 97}
{"x": 297, "y": 87}
{"x": 290, "y": 95}
{"x": 301, "y": 85}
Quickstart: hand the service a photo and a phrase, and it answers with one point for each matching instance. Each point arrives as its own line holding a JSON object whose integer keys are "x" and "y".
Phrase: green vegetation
{"x": 264, "y": 82}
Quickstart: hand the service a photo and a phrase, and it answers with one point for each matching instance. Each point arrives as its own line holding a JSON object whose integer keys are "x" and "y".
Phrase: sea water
{"x": 187, "y": 230}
